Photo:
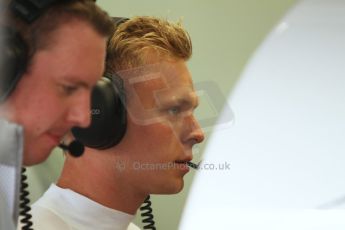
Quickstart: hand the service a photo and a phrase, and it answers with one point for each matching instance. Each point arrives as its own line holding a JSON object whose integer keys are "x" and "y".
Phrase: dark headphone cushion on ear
{"x": 13, "y": 61}
{"x": 109, "y": 116}
{"x": 108, "y": 110}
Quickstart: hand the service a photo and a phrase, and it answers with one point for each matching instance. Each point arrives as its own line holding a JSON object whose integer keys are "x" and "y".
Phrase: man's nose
{"x": 196, "y": 134}
{"x": 79, "y": 112}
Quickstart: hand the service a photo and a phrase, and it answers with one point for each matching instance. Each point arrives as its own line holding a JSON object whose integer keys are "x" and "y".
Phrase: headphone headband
{"x": 30, "y": 10}
{"x": 118, "y": 20}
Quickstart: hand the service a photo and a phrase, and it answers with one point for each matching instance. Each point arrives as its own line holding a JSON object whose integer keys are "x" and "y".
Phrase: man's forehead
{"x": 159, "y": 75}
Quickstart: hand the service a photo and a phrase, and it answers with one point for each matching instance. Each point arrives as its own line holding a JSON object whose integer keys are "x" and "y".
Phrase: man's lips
{"x": 181, "y": 161}
{"x": 182, "y": 165}
{"x": 55, "y": 137}
{"x": 184, "y": 160}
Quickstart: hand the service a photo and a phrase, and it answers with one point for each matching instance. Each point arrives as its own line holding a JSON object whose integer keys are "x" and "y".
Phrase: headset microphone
{"x": 193, "y": 165}
{"x": 75, "y": 148}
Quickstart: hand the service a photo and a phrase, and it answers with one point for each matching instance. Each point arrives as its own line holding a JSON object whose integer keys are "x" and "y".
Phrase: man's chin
{"x": 34, "y": 156}
{"x": 169, "y": 189}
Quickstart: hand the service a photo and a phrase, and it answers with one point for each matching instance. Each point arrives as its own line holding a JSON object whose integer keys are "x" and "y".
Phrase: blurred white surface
{"x": 286, "y": 149}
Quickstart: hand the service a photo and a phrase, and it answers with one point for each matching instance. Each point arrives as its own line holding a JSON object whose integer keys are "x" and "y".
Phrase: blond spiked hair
{"x": 146, "y": 40}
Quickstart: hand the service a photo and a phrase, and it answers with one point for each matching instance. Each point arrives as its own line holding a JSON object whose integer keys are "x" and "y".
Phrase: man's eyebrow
{"x": 78, "y": 83}
{"x": 192, "y": 101}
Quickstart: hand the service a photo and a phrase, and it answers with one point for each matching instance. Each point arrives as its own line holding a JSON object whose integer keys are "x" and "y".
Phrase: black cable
{"x": 24, "y": 203}
{"x": 147, "y": 215}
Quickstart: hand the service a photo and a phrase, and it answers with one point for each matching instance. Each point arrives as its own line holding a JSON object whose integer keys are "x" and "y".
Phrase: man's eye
{"x": 174, "y": 111}
{"x": 69, "y": 89}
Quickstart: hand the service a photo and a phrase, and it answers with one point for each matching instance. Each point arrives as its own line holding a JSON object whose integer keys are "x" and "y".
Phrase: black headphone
{"x": 15, "y": 50}
{"x": 108, "y": 111}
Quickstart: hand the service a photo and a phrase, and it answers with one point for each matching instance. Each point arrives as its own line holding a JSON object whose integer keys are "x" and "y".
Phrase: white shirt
{"x": 11, "y": 153}
{"x": 62, "y": 208}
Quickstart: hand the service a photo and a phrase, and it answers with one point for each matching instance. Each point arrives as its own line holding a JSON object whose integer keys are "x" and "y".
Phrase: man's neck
{"x": 105, "y": 189}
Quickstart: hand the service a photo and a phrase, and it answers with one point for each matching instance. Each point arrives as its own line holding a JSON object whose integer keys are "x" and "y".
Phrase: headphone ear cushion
{"x": 13, "y": 61}
{"x": 109, "y": 116}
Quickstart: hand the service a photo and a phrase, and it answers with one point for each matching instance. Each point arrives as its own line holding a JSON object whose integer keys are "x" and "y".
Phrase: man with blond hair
{"x": 150, "y": 147}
